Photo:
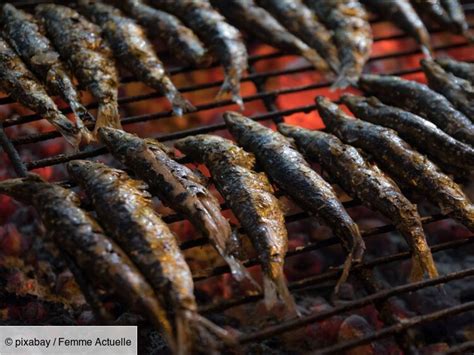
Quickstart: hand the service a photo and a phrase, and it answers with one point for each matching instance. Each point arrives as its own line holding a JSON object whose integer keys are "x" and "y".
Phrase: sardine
{"x": 434, "y": 10}
{"x": 290, "y": 171}
{"x": 255, "y": 20}
{"x": 304, "y": 24}
{"x": 20, "y": 83}
{"x": 458, "y": 91}
{"x": 365, "y": 181}
{"x": 179, "y": 39}
{"x": 223, "y": 39}
{"x": 78, "y": 41}
{"x": 348, "y": 20}
{"x": 456, "y": 13}
{"x": 26, "y": 37}
{"x": 81, "y": 237}
{"x": 251, "y": 198}
{"x": 402, "y": 13}
{"x": 126, "y": 213}
{"x": 463, "y": 70}
{"x": 417, "y": 131}
{"x": 402, "y": 162}
{"x": 132, "y": 49}
{"x": 178, "y": 187}
{"x": 420, "y": 99}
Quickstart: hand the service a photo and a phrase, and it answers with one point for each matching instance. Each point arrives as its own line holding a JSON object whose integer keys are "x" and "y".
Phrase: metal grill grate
{"x": 269, "y": 98}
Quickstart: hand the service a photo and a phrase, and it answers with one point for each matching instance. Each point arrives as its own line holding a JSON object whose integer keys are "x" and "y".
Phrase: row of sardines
{"x": 38, "y": 54}
{"x": 409, "y": 136}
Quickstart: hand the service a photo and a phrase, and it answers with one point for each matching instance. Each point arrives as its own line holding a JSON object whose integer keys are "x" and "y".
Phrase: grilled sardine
{"x": 78, "y": 41}
{"x": 463, "y": 70}
{"x": 365, "y": 181}
{"x": 178, "y": 187}
{"x": 251, "y": 198}
{"x": 131, "y": 47}
{"x": 126, "y": 213}
{"x": 290, "y": 171}
{"x": 402, "y": 162}
{"x": 420, "y": 99}
{"x": 456, "y": 13}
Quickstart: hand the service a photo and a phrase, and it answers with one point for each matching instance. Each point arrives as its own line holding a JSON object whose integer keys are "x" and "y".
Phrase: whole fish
{"x": 402, "y": 13}
{"x": 365, "y": 181}
{"x": 224, "y": 40}
{"x": 402, "y": 162}
{"x": 304, "y": 24}
{"x": 420, "y": 99}
{"x": 179, "y": 39}
{"x": 251, "y": 198}
{"x": 463, "y": 70}
{"x": 81, "y": 237}
{"x": 456, "y": 13}
{"x": 78, "y": 41}
{"x": 178, "y": 187}
{"x": 458, "y": 91}
{"x": 20, "y": 83}
{"x": 290, "y": 171}
{"x": 131, "y": 47}
{"x": 246, "y": 15}
{"x": 26, "y": 37}
{"x": 348, "y": 20}
{"x": 417, "y": 131}
{"x": 126, "y": 213}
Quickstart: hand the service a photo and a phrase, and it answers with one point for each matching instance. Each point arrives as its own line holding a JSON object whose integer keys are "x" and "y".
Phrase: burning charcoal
{"x": 354, "y": 327}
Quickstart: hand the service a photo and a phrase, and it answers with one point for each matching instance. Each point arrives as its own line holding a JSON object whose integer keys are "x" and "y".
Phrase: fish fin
{"x": 108, "y": 116}
{"x": 238, "y": 270}
{"x": 231, "y": 85}
{"x": 81, "y": 112}
{"x": 275, "y": 288}
{"x": 180, "y": 104}
{"x": 346, "y": 269}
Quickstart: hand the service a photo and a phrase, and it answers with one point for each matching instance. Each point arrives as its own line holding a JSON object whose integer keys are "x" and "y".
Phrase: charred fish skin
{"x": 78, "y": 41}
{"x": 131, "y": 47}
{"x": 26, "y": 37}
{"x": 348, "y": 20}
{"x": 402, "y": 13}
{"x": 456, "y": 13}
{"x": 252, "y": 200}
{"x": 178, "y": 187}
{"x": 304, "y": 24}
{"x": 246, "y": 15}
{"x": 20, "y": 83}
{"x": 433, "y": 9}
{"x": 224, "y": 40}
{"x": 463, "y": 70}
{"x": 179, "y": 39}
{"x": 417, "y": 131}
{"x": 77, "y": 233}
{"x": 290, "y": 171}
{"x": 458, "y": 91}
{"x": 402, "y": 162}
{"x": 363, "y": 180}
{"x": 421, "y": 100}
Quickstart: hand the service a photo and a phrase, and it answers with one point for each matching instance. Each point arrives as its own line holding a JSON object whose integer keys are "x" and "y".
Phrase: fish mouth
{"x": 76, "y": 167}
{"x": 108, "y": 134}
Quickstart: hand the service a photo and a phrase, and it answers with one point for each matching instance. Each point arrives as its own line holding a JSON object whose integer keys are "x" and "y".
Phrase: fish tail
{"x": 81, "y": 112}
{"x": 73, "y": 134}
{"x": 275, "y": 288}
{"x": 231, "y": 86}
{"x": 316, "y": 61}
{"x": 108, "y": 116}
{"x": 347, "y": 76}
{"x": 238, "y": 270}
{"x": 423, "y": 263}
{"x": 179, "y": 103}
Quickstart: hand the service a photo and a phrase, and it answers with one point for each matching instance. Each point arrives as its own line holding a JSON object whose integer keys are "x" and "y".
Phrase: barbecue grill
{"x": 388, "y": 49}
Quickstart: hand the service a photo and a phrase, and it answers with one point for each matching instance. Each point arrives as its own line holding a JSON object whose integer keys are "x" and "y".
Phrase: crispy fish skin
{"x": 246, "y": 15}
{"x": 26, "y": 37}
{"x": 304, "y": 24}
{"x": 417, "y": 131}
{"x": 178, "y": 187}
{"x": 224, "y": 40}
{"x": 78, "y": 41}
{"x": 131, "y": 47}
{"x": 81, "y": 237}
{"x": 396, "y": 157}
{"x": 463, "y": 70}
{"x": 363, "y": 180}
{"x": 420, "y": 99}
{"x": 19, "y": 82}
{"x": 126, "y": 213}
{"x": 402, "y": 13}
{"x": 458, "y": 91}
{"x": 179, "y": 39}
{"x": 251, "y": 198}
{"x": 289, "y": 170}
{"x": 348, "y": 20}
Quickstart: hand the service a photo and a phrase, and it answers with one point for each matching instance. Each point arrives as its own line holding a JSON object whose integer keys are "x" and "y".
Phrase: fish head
{"x": 288, "y": 130}
{"x": 83, "y": 170}
{"x": 238, "y": 124}
{"x": 119, "y": 142}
